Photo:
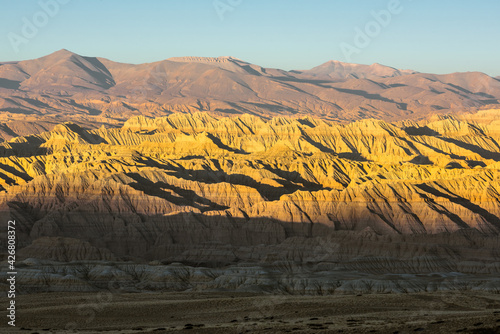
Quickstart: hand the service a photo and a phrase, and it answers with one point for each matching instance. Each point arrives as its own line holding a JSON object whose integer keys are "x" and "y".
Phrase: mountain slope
{"x": 87, "y": 90}
{"x": 62, "y": 70}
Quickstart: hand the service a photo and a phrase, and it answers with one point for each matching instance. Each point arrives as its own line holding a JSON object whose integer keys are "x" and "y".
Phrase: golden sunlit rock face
{"x": 150, "y": 187}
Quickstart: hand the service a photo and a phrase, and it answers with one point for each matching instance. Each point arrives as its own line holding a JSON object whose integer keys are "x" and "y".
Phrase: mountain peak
{"x": 338, "y": 70}
{"x": 63, "y": 70}
{"x": 206, "y": 60}
{"x": 63, "y": 53}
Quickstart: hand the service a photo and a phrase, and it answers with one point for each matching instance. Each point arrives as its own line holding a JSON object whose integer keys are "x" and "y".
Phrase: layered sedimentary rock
{"x": 342, "y": 263}
{"x": 198, "y": 186}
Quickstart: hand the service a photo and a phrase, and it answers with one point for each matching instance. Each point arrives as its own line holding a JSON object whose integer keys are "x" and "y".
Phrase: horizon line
{"x": 240, "y": 59}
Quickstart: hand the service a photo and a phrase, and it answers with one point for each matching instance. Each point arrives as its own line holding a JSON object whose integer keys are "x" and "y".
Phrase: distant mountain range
{"x": 35, "y": 94}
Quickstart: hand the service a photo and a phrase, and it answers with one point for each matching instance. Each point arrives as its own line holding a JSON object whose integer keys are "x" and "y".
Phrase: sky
{"x": 425, "y": 35}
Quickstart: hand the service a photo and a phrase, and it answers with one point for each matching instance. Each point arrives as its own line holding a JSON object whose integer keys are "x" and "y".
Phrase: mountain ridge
{"x": 94, "y": 91}
{"x": 337, "y": 70}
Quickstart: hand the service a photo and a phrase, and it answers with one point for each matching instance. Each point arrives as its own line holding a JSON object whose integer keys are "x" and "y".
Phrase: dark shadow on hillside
{"x": 90, "y": 138}
{"x": 5, "y": 128}
{"x": 397, "y": 85}
{"x": 223, "y": 146}
{"x": 354, "y": 156}
{"x": 15, "y": 172}
{"x": 473, "y": 163}
{"x": 23, "y": 111}
{"x": 482, "y": 94}
{"x": 90, "y": 111}
{"x": 38, "y": 104}
{"x": 293, "y": 177}
{"x": 103, "y": 77}
{"x": 176, "y": 195}
{"x": 217, "y": 176}
{"x": 451, "y": 155}
{"x": 306, "y": 122}
{"x": 272, "y": 107}
{"x": 319, "y": 146}
{"x": 490, "y": 101}
{"x": 489, "y": 217}
{"x": 485, "y": 154}
{"x": 440, "y": 209}
{"x": 250, "y": 70}
{"x": 316, "y": 82}
{"x": 421, "y": 160}
{"x": 453, "y": 165}
{"x": 421, "y": 131}
{"x": 28, "y": 148}
{"x": 9, "y": 84}
{"x": 366, "y": 95}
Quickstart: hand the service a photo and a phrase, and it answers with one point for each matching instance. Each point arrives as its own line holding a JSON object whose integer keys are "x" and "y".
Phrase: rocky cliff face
{"x": 196, "y": 186}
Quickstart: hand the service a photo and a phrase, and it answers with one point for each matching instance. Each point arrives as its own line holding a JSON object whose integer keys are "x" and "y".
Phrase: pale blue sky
{"x": 429, "y": 36}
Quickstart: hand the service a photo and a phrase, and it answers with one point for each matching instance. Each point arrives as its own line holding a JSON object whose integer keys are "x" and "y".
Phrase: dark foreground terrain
{"x": 226, "y": 312}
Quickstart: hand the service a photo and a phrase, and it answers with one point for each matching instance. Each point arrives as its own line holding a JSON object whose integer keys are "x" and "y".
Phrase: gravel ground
{"x": 226, "y": 312}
